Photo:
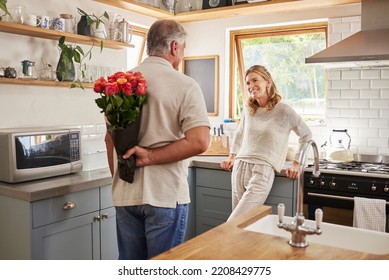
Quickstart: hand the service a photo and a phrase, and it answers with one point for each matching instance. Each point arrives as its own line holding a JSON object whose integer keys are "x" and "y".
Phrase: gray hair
{"x": 161, "y": 34}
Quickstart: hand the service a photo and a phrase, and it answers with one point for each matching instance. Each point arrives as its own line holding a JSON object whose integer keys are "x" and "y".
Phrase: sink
{"x": 350, "y": 238}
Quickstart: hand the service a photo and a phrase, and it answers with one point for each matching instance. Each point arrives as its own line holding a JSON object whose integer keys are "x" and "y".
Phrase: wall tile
{"x": 370, "y": 74}
{"x": 368, "y": 132}
{"x": 370, "y": 93}
{"x": 349, "y": 113}
{"x": 384, "y": 83}
{"x": 351, "y": 74}
{"x": 342, "y": 84}
{"x": 369, "y": 113}
{"x": 384, "y": 93}
{"x": 350, "y": 93}
{"x": 377, "y": 142}
{"x": 379, "y": 123}
{"x": 360, "y": 84}
{"x": 334, "y": 75}
{"x": 360, "y": 103}
{"x": 385, "y": 73}
{"x": 379, "y": 103}
{"x": 359, "y": 123}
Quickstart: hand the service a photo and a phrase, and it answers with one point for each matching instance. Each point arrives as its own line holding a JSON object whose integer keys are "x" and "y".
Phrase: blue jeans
{"x": 144, "y": 231}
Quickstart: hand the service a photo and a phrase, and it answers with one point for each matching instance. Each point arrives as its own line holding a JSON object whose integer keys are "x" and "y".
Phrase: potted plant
{"x": 91, "y": 21}
{"x": 3, "y": 6}
{"x": 69, "y": 54}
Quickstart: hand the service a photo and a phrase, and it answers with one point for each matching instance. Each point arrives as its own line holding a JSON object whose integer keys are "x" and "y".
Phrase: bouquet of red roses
{"x": 122, "y": 96}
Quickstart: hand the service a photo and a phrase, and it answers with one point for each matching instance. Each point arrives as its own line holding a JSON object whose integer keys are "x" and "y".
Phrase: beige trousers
{"x": 251, "y": 184}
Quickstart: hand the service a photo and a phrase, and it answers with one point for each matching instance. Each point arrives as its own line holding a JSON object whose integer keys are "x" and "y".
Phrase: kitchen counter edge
{"x": 65, "y": 184}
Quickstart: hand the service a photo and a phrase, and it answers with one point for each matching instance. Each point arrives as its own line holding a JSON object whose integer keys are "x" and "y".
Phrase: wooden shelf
{"x": 40, "y": 83}
{"x": 26, "y": 30}
{"x": 271, "y": 6}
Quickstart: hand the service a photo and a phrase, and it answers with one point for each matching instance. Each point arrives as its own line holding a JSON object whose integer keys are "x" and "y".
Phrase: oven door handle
{"x": 334, "y": 196}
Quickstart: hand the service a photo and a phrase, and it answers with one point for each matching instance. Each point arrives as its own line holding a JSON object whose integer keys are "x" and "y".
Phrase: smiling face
{"x": 258, "y": 87}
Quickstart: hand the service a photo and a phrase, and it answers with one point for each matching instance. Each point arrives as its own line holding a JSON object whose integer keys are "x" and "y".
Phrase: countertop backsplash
{"x": 94, "y": 151}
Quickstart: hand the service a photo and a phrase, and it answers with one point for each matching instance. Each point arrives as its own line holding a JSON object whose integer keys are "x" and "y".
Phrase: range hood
{"x": 366, "y": 48}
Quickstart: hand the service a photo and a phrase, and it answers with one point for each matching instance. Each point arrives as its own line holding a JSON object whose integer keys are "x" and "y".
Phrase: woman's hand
{"x": 228, "y": 163}
{"x": 293, "y": 170}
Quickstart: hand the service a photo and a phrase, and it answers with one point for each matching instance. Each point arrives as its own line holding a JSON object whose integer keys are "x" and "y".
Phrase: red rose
{"x": 141, "y": 89}
{"x": 99, "y": 85}
{"x": 111, "y": 89}
{"x": 127, "y": 89}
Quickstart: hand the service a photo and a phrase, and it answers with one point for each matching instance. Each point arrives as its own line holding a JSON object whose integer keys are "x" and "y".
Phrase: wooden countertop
{"x": 230, "y": 241}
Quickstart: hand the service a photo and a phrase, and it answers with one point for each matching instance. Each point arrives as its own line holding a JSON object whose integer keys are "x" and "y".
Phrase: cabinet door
{"x": 77, "y": 238}
{"x": 284, "y": 191}
{"x": 108, "y": 240}
{"x": 191, "y": 224}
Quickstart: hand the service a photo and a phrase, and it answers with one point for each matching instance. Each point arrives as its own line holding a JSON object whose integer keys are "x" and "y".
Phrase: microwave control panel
{"x": 74, "y": 146}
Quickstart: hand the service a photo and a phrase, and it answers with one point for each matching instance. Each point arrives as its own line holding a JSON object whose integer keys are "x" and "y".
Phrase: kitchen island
{"x": 230, "y": 241}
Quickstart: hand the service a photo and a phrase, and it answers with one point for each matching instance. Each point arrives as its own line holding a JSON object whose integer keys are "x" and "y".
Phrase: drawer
{"x": 106, "y": 197}
{"x": 54, "y": 209}
{"x": 213, "y": 178}
{"x": 213, "y": 203}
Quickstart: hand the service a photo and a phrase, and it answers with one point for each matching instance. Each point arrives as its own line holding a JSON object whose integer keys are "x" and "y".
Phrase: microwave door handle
{"x": 334, "y": 196}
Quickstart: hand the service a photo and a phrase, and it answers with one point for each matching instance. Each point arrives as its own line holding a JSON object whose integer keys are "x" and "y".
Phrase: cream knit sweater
{"x": 264, "y": 136}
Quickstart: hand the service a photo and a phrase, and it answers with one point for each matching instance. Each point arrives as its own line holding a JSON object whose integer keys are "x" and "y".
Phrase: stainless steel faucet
{"x": 298, "y": 229}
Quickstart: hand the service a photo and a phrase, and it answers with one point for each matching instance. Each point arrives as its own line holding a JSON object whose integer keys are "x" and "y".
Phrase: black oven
{"x": 334, "y": 190}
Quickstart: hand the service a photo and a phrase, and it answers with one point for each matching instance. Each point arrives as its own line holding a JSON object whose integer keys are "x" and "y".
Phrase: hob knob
{"x": 322, "y": 183}
{"x": 332, "y": 184}
{"x": 386, "y": 189}
{"x": 311, "y": 182}
{"x": 373, "y": 188}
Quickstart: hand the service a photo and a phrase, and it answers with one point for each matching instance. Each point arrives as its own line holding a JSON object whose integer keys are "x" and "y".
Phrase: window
{"x": 282, "y": 50}
{"x": 136, "y": 55}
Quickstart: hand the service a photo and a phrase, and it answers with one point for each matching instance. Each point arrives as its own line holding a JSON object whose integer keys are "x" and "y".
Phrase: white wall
{"x": 22, "y": 105}
{"x": 358, "y": 98}
{"x": 31, "y": 105}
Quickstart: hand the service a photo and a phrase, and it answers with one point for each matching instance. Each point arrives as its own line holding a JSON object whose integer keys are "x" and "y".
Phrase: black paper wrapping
{"x": 124, "y": 139}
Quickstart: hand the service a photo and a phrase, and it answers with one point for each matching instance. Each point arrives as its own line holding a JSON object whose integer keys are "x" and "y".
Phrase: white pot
{"x": 99, "y": 32}
{"x": 340, "y": 155}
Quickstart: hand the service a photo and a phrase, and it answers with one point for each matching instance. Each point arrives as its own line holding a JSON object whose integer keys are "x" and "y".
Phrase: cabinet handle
{"x": 69, "y": 205}
{"x": 96, "y": 218}
{"x": 104, "y": 216}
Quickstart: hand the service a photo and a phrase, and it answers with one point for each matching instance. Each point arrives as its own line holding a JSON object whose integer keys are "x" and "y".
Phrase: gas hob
{"x": 354, "y": 168}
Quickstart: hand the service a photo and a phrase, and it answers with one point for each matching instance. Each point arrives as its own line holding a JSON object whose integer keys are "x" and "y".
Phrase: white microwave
{"x": 34, "y": 153}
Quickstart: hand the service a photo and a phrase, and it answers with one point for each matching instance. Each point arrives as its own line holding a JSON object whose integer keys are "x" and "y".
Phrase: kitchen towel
{"x": 369, "y": 213}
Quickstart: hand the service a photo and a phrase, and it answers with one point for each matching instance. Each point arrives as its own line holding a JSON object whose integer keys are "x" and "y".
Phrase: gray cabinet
{"x": 191, "y": 224}
{"x": 76, "y": 226}
{"x": 213, "y": 197}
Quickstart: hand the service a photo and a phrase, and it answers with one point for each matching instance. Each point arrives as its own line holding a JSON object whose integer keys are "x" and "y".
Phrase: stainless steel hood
{"x": 368, "y": 47}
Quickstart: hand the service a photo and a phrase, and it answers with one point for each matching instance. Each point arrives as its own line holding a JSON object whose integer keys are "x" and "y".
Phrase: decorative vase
{"x": 99, "y": 32}
{"x": 65, "y": 69}
{"x": 82, "y": 27}
{"x": 124, "y": 139}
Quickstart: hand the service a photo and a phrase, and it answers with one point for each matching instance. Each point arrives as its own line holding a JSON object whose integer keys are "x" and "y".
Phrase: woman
{"x": 261, "y": 141}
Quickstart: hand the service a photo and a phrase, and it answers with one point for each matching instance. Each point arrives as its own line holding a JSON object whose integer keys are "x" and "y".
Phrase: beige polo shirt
{"x": 175, "y": 105}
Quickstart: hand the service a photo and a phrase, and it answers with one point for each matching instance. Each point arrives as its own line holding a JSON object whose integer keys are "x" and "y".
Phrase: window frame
{"x": 236, "y": 36}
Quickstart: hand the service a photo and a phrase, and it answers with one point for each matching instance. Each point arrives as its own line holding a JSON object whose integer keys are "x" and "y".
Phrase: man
{"x": 152, "y": 212}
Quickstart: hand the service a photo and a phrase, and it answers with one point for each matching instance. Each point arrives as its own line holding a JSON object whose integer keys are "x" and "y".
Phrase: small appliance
{"x": 35, "y": 153}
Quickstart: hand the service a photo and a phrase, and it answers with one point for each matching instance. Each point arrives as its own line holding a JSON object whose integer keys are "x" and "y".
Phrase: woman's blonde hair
{"x": 273, "y": 96}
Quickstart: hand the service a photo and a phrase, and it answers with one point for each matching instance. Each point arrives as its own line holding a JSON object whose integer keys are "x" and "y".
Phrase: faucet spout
{"x": 297, "y": 227}
{"x": 302, "y": 164}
